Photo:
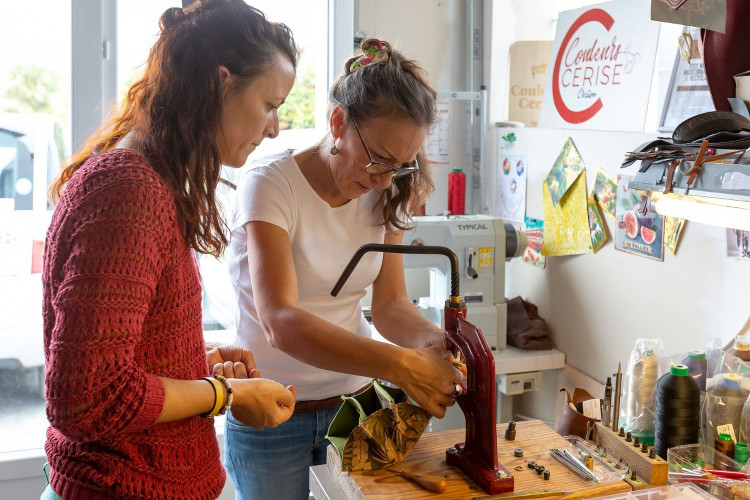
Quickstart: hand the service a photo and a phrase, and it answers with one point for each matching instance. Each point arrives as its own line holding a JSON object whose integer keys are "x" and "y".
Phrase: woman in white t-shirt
{"x": 300, "y": 217}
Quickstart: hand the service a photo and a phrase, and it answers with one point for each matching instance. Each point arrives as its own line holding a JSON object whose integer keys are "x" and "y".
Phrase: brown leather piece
{"x": 526, "y": 329}
{"x": 571, "y": 422}
{"x": 313, "y": 405}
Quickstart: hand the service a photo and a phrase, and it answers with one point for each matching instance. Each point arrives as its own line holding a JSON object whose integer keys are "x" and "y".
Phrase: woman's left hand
{"x": 232, "y": 361}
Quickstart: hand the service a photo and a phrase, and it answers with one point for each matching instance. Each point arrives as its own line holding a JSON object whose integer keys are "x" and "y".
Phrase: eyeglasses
{"x": 379, "y": 168}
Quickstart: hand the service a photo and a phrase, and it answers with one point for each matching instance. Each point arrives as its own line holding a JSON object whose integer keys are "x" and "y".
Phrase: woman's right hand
{"x": 261, "y": 403}
{"x": 430, "y": 379}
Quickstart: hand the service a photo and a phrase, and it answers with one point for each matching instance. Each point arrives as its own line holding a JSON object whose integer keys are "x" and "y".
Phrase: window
{"x": 302, "y": 121}
{"x": 34, "y": 136}
{"x": 40, "y": 125}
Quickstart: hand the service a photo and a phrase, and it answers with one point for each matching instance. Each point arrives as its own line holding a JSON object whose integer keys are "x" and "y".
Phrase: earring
{"x": 334, "y": 150}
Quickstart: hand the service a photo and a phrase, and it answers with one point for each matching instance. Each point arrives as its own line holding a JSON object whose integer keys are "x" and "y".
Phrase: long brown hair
{"x": 175, "y": 108}
{"x": 398, "y": 86}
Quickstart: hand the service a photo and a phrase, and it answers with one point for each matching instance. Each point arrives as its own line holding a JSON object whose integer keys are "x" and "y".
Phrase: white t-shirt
{"x": 323, "y": 240}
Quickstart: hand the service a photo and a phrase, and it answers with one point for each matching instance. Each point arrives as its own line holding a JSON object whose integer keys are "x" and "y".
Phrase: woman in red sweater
{"x": 127, "y": 373}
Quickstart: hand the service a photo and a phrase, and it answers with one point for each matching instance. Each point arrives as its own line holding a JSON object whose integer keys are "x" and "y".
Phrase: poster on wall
{"x": 601, "y": 68}
{"x": 438, "y": 141}
{"x": 511, "y": 187}
{"x": 688, "y": 94}
{"x": 528, "y": 61}
{"x": 635, "y": 232}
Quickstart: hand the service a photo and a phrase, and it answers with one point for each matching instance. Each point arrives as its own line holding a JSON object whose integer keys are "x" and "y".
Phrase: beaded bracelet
{"x": 218, "y": 390}
{"x": 228, "y": 387}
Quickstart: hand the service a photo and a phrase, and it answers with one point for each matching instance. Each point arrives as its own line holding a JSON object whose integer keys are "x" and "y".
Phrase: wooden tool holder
{"x": 615, "y": 448}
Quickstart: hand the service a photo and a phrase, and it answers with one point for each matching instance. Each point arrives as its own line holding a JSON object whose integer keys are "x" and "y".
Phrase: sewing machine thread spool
{"x": 676, "y": 421}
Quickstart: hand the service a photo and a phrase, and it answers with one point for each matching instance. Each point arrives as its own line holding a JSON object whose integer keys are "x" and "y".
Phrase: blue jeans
{"x": 273, "y": 463}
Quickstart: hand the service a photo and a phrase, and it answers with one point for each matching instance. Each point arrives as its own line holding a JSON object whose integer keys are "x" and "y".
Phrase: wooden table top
{"x": 428, "y": 457}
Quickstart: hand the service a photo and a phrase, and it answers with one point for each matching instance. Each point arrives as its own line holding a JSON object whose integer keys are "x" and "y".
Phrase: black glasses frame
{"x": 380, "y": 168}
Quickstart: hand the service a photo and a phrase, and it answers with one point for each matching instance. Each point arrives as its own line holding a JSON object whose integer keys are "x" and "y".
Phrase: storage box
{"x": 698, "y": 457}
{"x": 684, "y": 491}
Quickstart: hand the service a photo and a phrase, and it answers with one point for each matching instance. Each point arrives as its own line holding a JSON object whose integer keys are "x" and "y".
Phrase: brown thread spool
{"x": 725, "y": 445}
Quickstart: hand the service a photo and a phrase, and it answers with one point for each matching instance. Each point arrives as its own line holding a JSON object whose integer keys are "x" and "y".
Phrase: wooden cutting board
{"x": 428, "y": 458}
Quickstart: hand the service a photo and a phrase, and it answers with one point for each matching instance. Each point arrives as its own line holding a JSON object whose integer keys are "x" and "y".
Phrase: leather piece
{"x": 571, "y": 422}
{"x": 526, "y": 330}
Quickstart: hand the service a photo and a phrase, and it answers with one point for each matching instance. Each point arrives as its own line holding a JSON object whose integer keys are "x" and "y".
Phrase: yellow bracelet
{"x": 230, "y": 396}
{"x": 218, "y": 397}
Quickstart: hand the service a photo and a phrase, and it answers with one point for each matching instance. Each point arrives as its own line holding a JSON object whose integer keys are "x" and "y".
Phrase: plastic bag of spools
{"x": 639, "y": 399}
{"x": 727, "y": 390}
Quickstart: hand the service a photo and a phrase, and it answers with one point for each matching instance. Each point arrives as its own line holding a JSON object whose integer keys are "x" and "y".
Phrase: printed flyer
{"x": 637, "y": 232}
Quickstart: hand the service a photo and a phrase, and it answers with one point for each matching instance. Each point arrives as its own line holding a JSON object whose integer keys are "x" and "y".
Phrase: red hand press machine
{"x": 477, "y": 456}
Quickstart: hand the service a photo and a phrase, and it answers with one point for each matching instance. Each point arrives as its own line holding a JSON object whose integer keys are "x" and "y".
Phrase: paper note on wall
{"x": 511, "y": 187}
{"x": 566, "y": 226}
{"x": 532, "y": 255}
{"x": 564, "y": 172}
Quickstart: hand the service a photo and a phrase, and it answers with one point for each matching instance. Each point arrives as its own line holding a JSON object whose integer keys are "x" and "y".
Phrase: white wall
{"x": 596, "y": 305}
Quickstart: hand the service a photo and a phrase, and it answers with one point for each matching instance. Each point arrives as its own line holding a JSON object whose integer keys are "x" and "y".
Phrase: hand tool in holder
{"x": 477, "y": 456}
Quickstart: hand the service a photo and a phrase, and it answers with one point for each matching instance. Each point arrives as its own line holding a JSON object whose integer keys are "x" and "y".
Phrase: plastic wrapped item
{"x": 736, "y": 490}
{"x": 697, "y": 367}
{"x": 724, "y": 402}
{"x": 640, "y": 399}
{"x": 706, "y": 468}
{"x": 684, "y": 491}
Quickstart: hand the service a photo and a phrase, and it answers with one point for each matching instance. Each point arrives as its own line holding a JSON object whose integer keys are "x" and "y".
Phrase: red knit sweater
{"x": 122, "y": 305}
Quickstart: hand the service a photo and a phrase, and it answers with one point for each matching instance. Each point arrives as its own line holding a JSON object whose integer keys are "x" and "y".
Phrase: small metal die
{"x": 644, "y": 447}
{"x": 652, "y": 453}
{"x": 546, "y": 475}
{"x": 518, "y": 452}
{"x": 540, "y": 469}
{"x": 636, "y": 442}
{"x": 628, "y": 437}
{"x": 622, "y": 432}
{"x": 633, "y": 476}
{"x": 531, "y": 465}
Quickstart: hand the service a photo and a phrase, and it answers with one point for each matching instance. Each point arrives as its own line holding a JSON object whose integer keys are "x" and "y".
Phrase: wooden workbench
{"x": 428, "y": 457}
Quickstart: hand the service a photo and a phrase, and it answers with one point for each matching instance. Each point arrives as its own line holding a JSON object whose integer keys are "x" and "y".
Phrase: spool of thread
{"x": 643, "y": 378}
{"x": 697, "y": 366}
{"x": 676, "y": 421}
{"x": 740, "y": 453}
{"x": 724, "y": 403}
{"x": 456, "y": 192}
{"x": 725, "y": 445}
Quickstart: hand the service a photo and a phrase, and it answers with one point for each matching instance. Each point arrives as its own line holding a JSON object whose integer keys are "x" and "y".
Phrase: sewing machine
{"x": 482, "y": 244}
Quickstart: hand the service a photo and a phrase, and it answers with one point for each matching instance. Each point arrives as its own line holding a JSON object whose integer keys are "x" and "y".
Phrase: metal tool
{"x": 618, "y": 390}
{"x": 477, "y": 456}
{"x": 573, "y": 464}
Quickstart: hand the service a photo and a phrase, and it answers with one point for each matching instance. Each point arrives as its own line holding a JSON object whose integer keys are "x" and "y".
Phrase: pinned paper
{"x": 564, "y": 173}
{"x": 639, "y": 230}
{"x": 738, "y": 243}
{"x": 596, "y": 225}
{"x": 532, "y": 255}
{"x": 605, "y": 192}
{"x": 566, "y": 230}
{"x": 511, "y": 187}
{"x": 672, "y": 231}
